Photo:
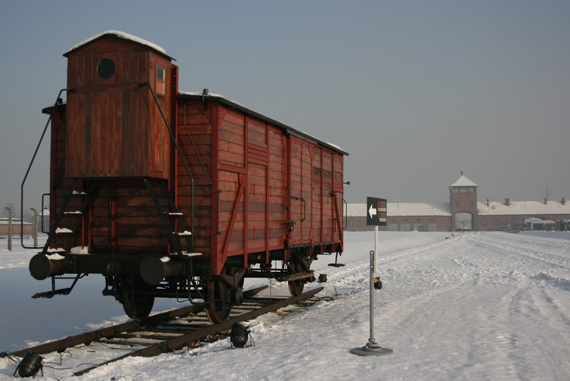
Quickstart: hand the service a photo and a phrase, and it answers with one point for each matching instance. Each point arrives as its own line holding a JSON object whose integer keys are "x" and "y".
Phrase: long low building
{"x": 16, "y": 226}
{"x": 404, "y": 216}
{"x": 464, "y": 212}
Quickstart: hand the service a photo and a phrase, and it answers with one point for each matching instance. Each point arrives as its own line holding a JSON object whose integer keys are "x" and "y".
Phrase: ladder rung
{"x": 186, "y": 232}
{"x": 175, "y": 214}
{"x": 76, "y": 212}
{"x": 63, "y": 231}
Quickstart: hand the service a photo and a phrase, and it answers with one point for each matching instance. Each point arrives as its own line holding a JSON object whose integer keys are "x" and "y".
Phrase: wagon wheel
{"x": 219, "y": 309}
{"x": 137, "y": 303}
{"x": 296, "y": 286}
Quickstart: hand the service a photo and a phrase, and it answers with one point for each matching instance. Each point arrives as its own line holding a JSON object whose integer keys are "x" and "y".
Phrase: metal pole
{"x": 9, "y": 227}
{"x": 373, "y": 263}
{"x": 371, "y": 340}
{"x": 372, "y": 348}
{"x": 35, "y": 227}
{"x": 375, "y": 248}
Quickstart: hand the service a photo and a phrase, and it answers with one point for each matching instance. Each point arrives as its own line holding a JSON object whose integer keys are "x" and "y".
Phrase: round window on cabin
{"x": 106, "y": 68}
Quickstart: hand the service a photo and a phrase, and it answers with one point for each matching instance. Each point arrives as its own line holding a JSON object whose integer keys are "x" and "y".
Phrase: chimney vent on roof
{"x": 545, "y": 201}
{"x": 487, "y": 202}
{"x": 563, "y": 202}
{"x": 507, "y": 202}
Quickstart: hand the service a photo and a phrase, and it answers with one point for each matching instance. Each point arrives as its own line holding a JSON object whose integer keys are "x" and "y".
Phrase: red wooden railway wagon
{"x": 171, "y": 194}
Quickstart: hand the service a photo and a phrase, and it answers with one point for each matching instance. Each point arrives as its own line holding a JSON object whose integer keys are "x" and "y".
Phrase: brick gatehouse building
{"x": 464, "y": 212}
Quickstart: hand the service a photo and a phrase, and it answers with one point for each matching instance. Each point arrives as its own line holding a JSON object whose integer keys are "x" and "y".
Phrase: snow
{"x": 444, "y": 208}
{"x": 124, "y": 36}
{"x": 523, "y": 208}
{"x": 474, "y": 306}
{"x": 79, "y": 250}
{"x": 463, "y": 181}
{"x": 405, "y": 209}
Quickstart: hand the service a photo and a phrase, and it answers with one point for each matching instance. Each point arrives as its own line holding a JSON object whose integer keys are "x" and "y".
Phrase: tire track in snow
{"x": 414, "y": 251}
{"x": 514, "y": 248}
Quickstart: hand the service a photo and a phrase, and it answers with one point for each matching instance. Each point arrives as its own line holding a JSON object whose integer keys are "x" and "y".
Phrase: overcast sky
{"x": 415, "y": 91}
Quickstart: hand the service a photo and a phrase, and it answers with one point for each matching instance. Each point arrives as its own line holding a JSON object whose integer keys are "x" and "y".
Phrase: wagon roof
{"x": 234, "y": 105}
{"x": 123, "y": 36}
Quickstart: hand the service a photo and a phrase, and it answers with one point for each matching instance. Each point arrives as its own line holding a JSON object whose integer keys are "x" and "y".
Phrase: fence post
{"x": 35, "y": 227}
{"x": 9, "y": 227}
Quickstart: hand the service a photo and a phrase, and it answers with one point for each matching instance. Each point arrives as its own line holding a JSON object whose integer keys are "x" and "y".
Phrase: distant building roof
{"x": 463, "y": 181}
{"x": 522, "y": 207}
{"x": 396, "y": 209}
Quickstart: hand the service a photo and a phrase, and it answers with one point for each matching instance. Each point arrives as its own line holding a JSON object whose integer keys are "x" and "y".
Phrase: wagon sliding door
{"x": 301, "y": 194}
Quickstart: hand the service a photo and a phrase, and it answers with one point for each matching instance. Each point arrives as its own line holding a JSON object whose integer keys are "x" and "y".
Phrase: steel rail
{"x": 179, "y": 342}
{"x": 107, "y": 332}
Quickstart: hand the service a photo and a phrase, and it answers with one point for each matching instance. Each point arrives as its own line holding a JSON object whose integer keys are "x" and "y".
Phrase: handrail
{"x": 195, "y": 149}
{"x": 181, "y": 157}
{"x": 57, "y": 101}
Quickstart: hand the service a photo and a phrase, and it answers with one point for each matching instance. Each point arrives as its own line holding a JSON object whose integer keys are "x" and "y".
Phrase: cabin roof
{"x": 123, "y": 36}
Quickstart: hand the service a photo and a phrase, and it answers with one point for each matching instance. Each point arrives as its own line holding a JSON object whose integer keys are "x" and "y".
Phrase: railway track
{"x": 167, "y": 331}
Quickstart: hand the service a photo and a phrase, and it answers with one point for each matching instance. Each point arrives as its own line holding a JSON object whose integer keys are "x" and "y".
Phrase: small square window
{"x": 160, "y": 80}
{"x": 160, "y": 74}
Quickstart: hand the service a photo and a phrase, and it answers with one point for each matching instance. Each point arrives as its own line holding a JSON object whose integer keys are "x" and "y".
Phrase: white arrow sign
{"x": 372, "y": 211}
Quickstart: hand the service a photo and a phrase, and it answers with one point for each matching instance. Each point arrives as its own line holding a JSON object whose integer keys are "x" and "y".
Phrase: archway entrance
{"x": 464, "y": 221}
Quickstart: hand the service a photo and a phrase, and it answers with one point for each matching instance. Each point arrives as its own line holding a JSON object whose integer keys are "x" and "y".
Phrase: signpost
{"x": 376, "y": 215}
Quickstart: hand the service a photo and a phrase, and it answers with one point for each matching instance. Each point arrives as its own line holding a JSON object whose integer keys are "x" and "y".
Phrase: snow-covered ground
{"x": 473, "y": 306}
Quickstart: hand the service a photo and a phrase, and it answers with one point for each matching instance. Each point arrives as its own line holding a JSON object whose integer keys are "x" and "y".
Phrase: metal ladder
{"x": 54, "y": 231}
{"x": 172, "y": 212}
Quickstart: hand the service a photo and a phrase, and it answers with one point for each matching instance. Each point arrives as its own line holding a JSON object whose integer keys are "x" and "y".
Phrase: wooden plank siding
{"x": 245, "y": 184}
{"x": 115, "y": 128}
{"x": 261, "y": 179}
{"x": 195, "y": 141}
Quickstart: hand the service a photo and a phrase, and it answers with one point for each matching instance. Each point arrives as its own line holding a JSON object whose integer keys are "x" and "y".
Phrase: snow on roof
{"x": 293, "y": 131}
{"x": 124, "y": 36}
{"x": 536, "y": 220}
{"x": 405, "y": 209}
{"x": 463, "y": 181}
{"x": 522, "y": 207}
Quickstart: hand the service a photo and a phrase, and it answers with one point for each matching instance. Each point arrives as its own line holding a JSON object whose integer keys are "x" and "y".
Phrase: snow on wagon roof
{"x": 124, "y": 36}
{"x": 225, "y": 101}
